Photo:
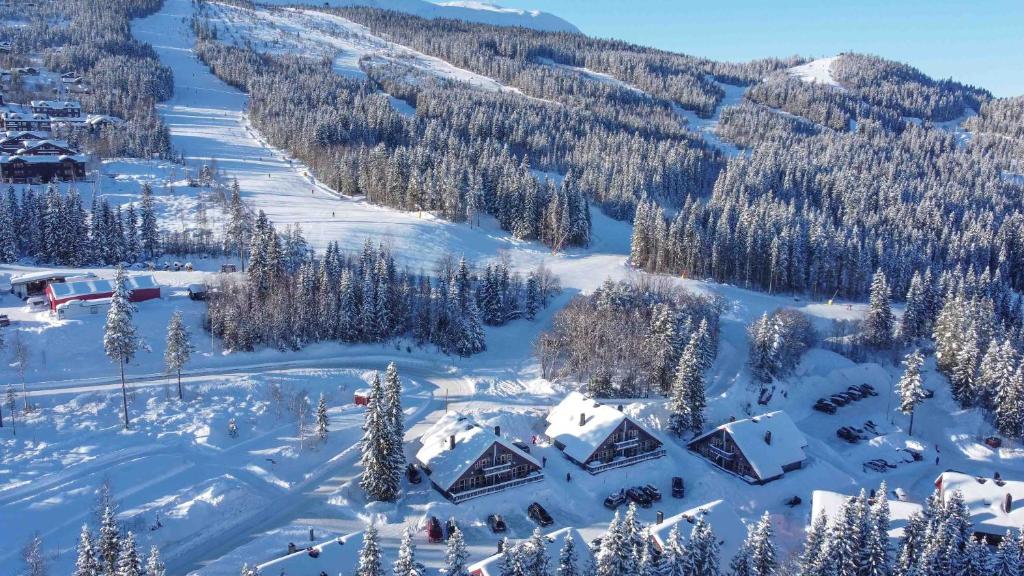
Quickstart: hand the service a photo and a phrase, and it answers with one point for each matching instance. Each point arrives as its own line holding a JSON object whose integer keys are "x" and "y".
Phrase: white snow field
{"x": 215, "y": 502}
{"x": 817, "y": 72}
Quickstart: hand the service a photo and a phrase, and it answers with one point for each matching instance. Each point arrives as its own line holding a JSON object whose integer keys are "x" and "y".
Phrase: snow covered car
{"x": 652, "y": 492}
{"x": 825, "y": 406}
{"x": 855, "y": 393}
{"x": 4, "y": 320}
{"x": 413, "y": 474}
{"x": 496, "y": 523}
{"x": 868, "y": 389}
{"x": 638, "y": 496}
{"x": 521, "y": 445}
{"x": 839, "y": 400}
{"x": 678, "y": 487}
{"x": 848, "y": 434}
{"x": 539, "y": 515}
{"x": 615, "y": 499}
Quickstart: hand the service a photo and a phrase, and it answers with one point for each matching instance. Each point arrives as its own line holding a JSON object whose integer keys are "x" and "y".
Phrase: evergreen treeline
{"x": 628, "y": 339}
{"x": 777, "y": 342}
{"x": 125, "y": 77}
{"x": 57, "y": 229}
{"x": 904, "y": 89}
{"x": 292, "y": 299}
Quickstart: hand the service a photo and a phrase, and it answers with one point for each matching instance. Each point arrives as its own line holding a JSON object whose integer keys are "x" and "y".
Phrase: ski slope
{"x": 817, "y": 72}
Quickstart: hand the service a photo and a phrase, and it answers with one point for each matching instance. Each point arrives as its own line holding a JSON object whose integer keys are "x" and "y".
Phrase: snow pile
{"x": 986, "y": 500}
{"x": 816, "y": 72}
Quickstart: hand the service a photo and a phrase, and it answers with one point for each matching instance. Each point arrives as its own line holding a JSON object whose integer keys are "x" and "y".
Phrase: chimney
{"x": 768, "y": 437}
{"x": 1008, "y": 503}
{"x": 497, "y": 430}
{"x": 451, "y": 442}
{"x": 659, "y": 518}
{"x": 583, "y": 418}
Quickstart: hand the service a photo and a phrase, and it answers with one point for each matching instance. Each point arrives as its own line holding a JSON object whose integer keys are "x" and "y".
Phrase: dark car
{"x": 652, "y": 492}
{"x": 449, "y": 528}
{"x": 615, "y": 499}
{"x": 868, "y": 389}
{"x": 825, "y": 406}
{"x": 539, "y": 515}
{"x": 496, "y": 523}
{"x": 434, "y": 532}
{"x": 846, "y": 397}
{"x": 848, "y": 434}
{"x": 522, "y": 446}
{"x": 638, "y": 496}
{"x": 838, "y": 400}
{"x": 929, "y": 393}
{"x": 413, "y": 474}
{"x": 678, "y": 487}
{"x": 856, "y": 393}
{"x": 993, "y": 442}
{"x": 4, "y": 320}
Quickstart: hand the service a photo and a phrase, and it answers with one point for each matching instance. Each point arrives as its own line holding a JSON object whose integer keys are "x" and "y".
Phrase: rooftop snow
{"x": 44, "y": 275}
{"x": 831, "y": 504}
{"x": 554, "y": 542}
{"x": 727, "y": 526}
{"x": 786, "y": 447}
{"x": 582, "y": 441}
{"x": 471, "y": 442}
{"x": 98, "y": 286}
{"x": 985, "y": 498}
{"x": 335, "y": 556}
{"x": 56, "y": 104}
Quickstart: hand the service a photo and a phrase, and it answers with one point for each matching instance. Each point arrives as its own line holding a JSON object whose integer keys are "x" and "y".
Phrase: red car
{"x": 434, "y": 533}
{"x": 993, "y": 442}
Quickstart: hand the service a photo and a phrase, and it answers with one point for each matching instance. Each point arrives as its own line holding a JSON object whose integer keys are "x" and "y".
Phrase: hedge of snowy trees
{"x": 110, "y": 550}
{"x": 627, "y": 339}
{"x": 292, "y": 298}
{"x": 777, "y": 342}
{"x": 55, "y": 228}
{"x": 124, "y": 75}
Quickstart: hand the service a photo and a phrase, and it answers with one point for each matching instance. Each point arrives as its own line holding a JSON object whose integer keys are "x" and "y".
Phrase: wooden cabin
{"x": 758, "y": 449}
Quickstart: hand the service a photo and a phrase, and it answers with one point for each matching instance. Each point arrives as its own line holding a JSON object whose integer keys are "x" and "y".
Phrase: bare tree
{"x": 19, "y": 359}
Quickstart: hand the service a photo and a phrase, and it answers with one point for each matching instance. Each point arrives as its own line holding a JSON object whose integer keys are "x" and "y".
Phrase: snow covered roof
{"x": 98, "y": 286}
{"x": 58, "y": 104}
{"x": 831, "y": 503}
{"x": 41, "y": 158}
{"x": 471, "y": 442}
{"x": 581, "y": 441}
{"x": 554, "y": 542}
{"x": 22, "y": 116}
{"x": 985, "y": 499}
{"x": 335, "y": 556}
{"x": 726, "y": 525}
{"x": 43, "y": 275}
{"x": 25, "y": 135}
{"x": 752, "y": 437}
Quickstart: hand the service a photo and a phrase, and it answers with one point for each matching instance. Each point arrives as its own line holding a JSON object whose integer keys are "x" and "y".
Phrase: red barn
{"x": 142, "y": 288}
{"x": 362, "y": 397}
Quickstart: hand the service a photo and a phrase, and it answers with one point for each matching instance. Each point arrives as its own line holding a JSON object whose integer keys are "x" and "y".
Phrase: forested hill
{"x": 808, "y": 183}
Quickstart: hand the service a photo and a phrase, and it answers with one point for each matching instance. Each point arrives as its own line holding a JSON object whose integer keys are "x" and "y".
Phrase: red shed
{"x": 362, "y": 397}
{"x": 142, "y": 288}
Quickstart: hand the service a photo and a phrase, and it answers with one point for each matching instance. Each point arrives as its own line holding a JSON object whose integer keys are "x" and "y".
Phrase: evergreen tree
{"x": 378, "y": 477}
{"x": 149, "y": 235}
{"x": 510, "y": 561}
{"x": 119, "y": 338}
{"x": 703, "y": 550}
{"x": 322, "y": 419}
{"x": 369, "y": 555}
{"x": 395, "y": 418}
{"x": 179, "y": 349}
{"x": 878, "y": 323}
{"x": 35, "y": 561}
{"x": 128, "y": 563}
{"x": 1009, "y": 412}
{"x": 763, "y": 561}
{"x": 86, "y": 564}
{"x": 456, "y": 556}
{"x": 109, "y": 545}
{"x": 810, "y": 562}
{"x": 249, "y": 570}
{"x": 910, "y": 390}
{"x": 568, "y": 559}
{"x": 154, "y": 564}
{"x": 914, "y": 323}
{"x": 612, "y": 556}
{"x": 406, "y": 564}
{"x": 675, "y": 558}
{"x": 8, "y": 230}
{"x": 687, "y": 401}
{"x": 1007, "y": 558}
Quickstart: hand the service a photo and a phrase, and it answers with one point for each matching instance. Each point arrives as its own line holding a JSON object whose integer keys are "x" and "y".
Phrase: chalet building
{"x": 464, "y": 460}
{"x": 597, "y": 437}
{"x": 57, "y": 108}
{"x": 19, "y": 121}
{"x": 995, "y": 505}
{"x": 553, "y": 544}
{"x": 11, "y": 142}
{"x": 727, "y": 526}
{"x": 830, "y": 505}
{"x": 42, "y": 168}
{"x": 758, "y": 449}
{"x": 142, "y": 288}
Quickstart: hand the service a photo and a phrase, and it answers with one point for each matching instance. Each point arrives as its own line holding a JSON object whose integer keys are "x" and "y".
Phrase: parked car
{"x": 678, "y": 487}
{"x": 825, "y": 406}
{"x": 846, "y": 397}
{"x": 848, "y": 434}
{"x": 450, "y": 527}
{"x": 900, "y": 494}
{"x": 522, "y": 446}
{"x": 434, "y": 532}
{"x": 4, "y": 320}
{"x": 993, "y": 442}
{"x": 868, "y": 389}
{"x": 638, "y": 496}
{"x": 874, "y": 465}
{"x": 496, "y": 523}
{"x": 413, "y": 474}
{"x": 228, "y": 268}
{"x": 652, "y": 492}
{"x": 615, "y": 499}
{"x": 539, "y": 515}
{"x": 870, "y": 426}
{"x": 37, "y": 303}
{"x": 855, "y": 393}
{"x": 929, "y": 393}
{"x": 915, "y": 455}
{"x": 793, "y": 501}
{"x": 838, "y": 400}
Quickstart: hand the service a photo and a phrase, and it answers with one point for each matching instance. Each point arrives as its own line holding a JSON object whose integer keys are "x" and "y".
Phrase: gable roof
{"x": 64, "y": 290}
{"x": 985, "y": 498}
{"x": 336, "y": 556}
{"x": 553, "y": 545}
{"x": 831, "y": 503}
{"x": 726, "y": 525}
{"x": 582, "y": 441}
{"x": 471, "y": 442}
{"x": 750, "y": 435}
{"x": 56, "y": 104}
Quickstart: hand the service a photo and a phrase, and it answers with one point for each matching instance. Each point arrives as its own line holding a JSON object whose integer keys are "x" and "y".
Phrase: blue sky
{"x": 980, "y": 43}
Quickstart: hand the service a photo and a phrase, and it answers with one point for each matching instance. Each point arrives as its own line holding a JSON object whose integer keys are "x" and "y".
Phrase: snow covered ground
{"x": 817, "y": 72}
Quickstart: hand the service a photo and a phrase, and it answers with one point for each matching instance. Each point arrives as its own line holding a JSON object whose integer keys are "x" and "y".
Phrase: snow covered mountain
{"x": 468, "y": 10}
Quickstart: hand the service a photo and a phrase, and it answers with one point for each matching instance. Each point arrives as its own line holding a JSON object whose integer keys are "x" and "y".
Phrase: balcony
{"x": 485, "y": 490}
{"x": 598, "y": 466}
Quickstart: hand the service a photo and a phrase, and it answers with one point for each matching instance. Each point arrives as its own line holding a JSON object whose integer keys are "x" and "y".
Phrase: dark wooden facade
{"x": 628, "y": 443}
{"x": 721, "y": 450}
{"x": 498, "y": 467}
{"x": 57, "y": 109}
{"x": 20, "y": 169}
{"x": 19, "y": 122}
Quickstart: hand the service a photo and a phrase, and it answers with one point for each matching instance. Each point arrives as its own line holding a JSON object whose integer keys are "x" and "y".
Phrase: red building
{"x": 142, "y": 288}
